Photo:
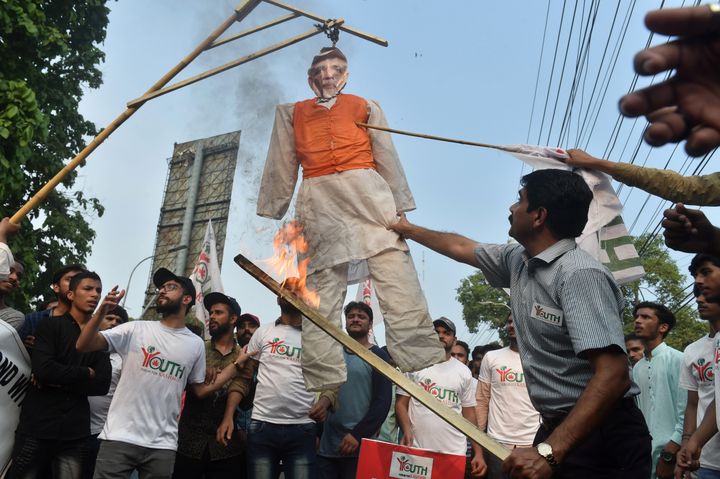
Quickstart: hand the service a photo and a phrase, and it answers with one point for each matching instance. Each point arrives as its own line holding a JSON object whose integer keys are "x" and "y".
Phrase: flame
{"x": 288, "y": 243}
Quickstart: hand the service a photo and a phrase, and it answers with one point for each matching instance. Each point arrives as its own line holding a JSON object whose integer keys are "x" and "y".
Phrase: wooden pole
{"x": 447, "y": 414}
{"x": 250, "y": 31}
{"x": 240, "y": 13}
{"x": 350, "y": 30}
{"x": 431, "y": 137}
{"x": 214, "y": 71}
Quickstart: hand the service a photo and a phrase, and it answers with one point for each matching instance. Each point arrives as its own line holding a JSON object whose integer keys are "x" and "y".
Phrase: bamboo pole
{"x": 431, "y": 137}
{"x": 241, "y": 11}
{"x": 250, "y": 31}
{"x": 350, "y": 30}
{"x": 214, "y": 71}
{"x": 447, "y": 414}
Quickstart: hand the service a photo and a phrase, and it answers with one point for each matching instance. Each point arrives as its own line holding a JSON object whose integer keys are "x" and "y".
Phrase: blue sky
{"x": 462, "y": 69}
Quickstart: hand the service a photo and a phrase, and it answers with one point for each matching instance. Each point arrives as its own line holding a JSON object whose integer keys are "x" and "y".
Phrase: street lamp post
{"x": 127, "y": 288}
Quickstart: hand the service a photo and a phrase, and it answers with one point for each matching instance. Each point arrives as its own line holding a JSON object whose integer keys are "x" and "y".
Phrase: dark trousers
{"x": 618, "y": 449}
{"x": 190, "y": 468}
{"x": 34, "y": 458}
{"x": 337, "y": 467}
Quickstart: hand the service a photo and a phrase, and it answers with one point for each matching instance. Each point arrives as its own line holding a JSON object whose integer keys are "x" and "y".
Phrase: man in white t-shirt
{"x": 705, "y": 269}
{"x": 159, "y": 359}
{"x": 503, "y": 404}
{"x": 451, "y": 383}
{"x": 283, "y": 425}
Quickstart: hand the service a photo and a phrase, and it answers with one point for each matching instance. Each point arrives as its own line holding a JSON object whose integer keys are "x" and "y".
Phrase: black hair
{"x": 564, "y": 195}
{"x": 361, "y": 306}
{"x": 696, "y": 290}
{"x": 665, "y": 316}
{"x": 465, "y": 346}
{"x": 119, "y": 311}
{"x": 632, "y": 337}
{"x": 65, "y": 270}
{"x": 698, "y": 261}
{"x": 75, "y": 281}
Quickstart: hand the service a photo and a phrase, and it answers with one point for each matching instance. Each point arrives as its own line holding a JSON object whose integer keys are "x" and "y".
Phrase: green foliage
{"x": 482, "y": 304}
{"x": 663, "y": 282}
{"x": 48, "y": 53}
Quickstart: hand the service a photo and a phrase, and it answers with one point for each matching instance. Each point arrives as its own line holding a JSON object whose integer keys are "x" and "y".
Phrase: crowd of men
{"x": 569, "y": 396}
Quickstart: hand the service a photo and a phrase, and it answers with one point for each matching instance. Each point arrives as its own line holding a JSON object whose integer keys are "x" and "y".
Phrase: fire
{"x": 288, "y": 243}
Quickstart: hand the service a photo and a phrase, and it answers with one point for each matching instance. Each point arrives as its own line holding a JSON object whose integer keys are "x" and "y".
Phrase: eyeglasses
{"x": 168, "y": 287}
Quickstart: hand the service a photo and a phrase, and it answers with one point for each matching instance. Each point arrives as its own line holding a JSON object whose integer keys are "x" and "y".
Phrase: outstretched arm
{"x": 90, "y": 338}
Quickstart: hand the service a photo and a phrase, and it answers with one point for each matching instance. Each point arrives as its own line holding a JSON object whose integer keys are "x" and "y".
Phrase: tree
{"x": 663, "y": 282}
{"x": 48, "y": 52}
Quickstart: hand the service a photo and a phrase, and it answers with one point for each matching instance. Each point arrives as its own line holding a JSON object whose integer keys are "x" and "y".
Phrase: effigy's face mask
{"x": 328, "y": 77}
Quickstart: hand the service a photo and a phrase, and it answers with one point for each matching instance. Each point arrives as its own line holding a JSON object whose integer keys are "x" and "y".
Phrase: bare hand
{"x": 407, "y": 440}
{"x": 29, "y": 342}
{"x": 688, "y": 458}
{"x": 7, "y": 229}
{"x": 693, "y": 92}
{"x": 478, "y": 467}
{"x": 224, "y": 432}
{"x": 211, "y": 374}
{"x": 111, "y": 300}
{"x": 348, "y": 445}
{"x": 580, "y": 159}
{"x": 402, "y": 226}
{"x": 526, "y": 463}
{"x": 689, "y": 230}
{"x": 664, "y": 470}
{"x": 318, "y": 412}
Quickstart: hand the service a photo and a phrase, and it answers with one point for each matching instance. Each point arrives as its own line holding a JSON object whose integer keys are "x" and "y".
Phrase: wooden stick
{"x": 414, "y": 390}
{"x": 350, "y": 30}
{"x": 240, "y": 12}
{"x": 431, "y": 137}
{"x": 229, "y": 65}
{"x": 244, "y": 33}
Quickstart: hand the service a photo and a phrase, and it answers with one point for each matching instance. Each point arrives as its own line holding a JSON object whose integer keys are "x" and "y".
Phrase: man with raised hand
{"x": 567, "y": 310}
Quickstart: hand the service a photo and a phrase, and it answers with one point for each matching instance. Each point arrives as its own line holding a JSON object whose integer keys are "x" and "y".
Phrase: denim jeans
{"x": 705, "y": 473}
{"x": 293, "y": 444}
{"x": 34, "y": 458}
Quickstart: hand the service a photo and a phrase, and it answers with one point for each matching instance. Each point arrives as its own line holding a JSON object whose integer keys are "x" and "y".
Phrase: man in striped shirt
{"x": 567, "y": 311}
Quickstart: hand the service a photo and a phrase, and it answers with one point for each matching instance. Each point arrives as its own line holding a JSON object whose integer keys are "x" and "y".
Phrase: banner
{"x": 206, "y": 276}
{"x": 14, "y": 382}
{"x": 605, "y": 236}
{"x": 381, "y": 460}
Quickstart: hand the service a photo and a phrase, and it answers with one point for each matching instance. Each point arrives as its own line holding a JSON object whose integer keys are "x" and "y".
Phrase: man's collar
{"x": 552, "y": 253}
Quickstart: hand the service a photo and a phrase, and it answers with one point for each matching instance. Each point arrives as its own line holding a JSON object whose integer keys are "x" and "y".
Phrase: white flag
{"x": 605, "y": 236}
{"x": 206, "y": 276}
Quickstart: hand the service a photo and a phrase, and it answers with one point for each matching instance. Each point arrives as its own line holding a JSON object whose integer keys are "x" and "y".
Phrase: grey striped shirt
{"x": 563, "y": 302}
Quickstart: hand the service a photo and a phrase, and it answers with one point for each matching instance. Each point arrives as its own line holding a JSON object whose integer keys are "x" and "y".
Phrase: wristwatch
{"x": 545, "y": 450}
{"x": 668, "y": 457}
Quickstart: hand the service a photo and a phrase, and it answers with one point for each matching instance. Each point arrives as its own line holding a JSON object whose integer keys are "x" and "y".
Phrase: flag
{"x": 605, "y": 236}
{"x": 366, "y": 294}
{"x": 206, "y": 276}
{"x": 14, "y": 384}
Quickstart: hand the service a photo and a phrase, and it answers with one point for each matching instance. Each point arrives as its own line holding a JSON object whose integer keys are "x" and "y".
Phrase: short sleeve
{"x": 592, "y": 313}
{"x": 467, "y": 397}
{"x": 119, "y": 338}
{"x": 255, "y": 343}
{"x": 400, "y": 391}
{"x": 485, "y": 373}
{"x": 494, "y": 262}
{"x": 197, "y": 373}
{"x": 687, "y": 381}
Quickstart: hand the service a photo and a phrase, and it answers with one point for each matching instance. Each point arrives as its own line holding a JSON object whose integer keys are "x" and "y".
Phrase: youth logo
{"x": 547, "y": 314}
{"x": 279, "y": 348}
{"x": 443, "y": 394}
{"x": 704, "y": 370}
{"x": 409, "y": 466}
{"x": 154, "y": 363}
{"x": 507, "y": 375}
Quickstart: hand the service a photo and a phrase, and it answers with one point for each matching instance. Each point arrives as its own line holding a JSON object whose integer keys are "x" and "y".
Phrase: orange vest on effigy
{"x": 327, "y": 140}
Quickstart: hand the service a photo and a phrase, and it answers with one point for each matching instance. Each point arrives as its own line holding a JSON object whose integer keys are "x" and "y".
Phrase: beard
{"x": 220, "y": 331}
{"x": 244, "y": 339}
{"x": 170, "y": 307}
{"x": 358, "y": 334}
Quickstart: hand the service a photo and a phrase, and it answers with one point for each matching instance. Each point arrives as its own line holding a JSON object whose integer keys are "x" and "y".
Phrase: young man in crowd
{"x": 567, "y": 310}
{"x": 54, "y": 429}
{"x": 503, "y": 406}
{"x": 159, "y": 359}
{"x": 246, "y": 326}
{"x": 283, "y": 426}
{"x": 9, "y": 285}
{"x": 99, "y": 405}
{"x": 199, "y": 455}
{"x": 422, "y": 427}
{"x": 365, "y": 399}
{"x": 661, "y": 399}
{"x": 461, "y": 352}
{"x": 60, "y": 286}
{"x": 635, "y": 348}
